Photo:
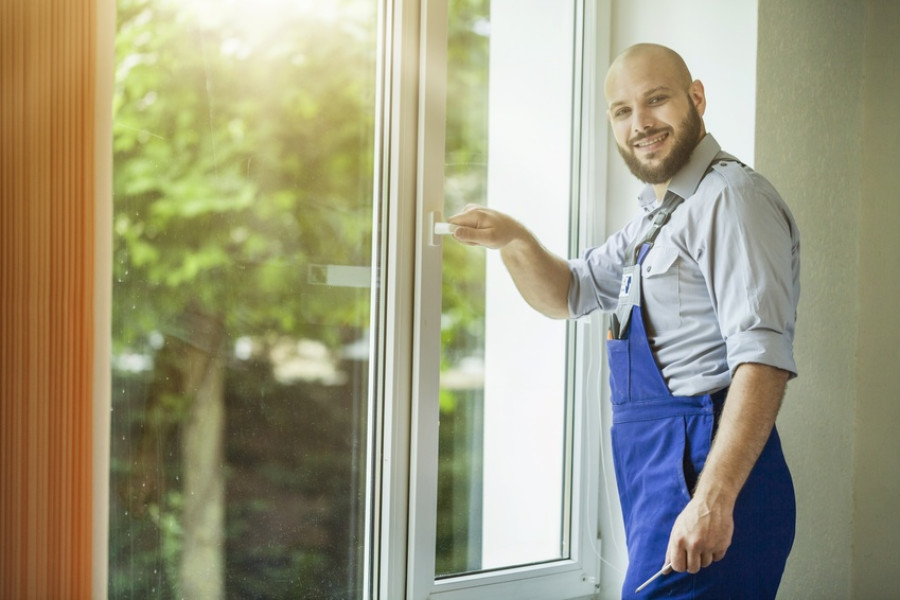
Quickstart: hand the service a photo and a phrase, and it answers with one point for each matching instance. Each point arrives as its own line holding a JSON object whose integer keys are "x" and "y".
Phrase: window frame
{"x": 405, "y": 467}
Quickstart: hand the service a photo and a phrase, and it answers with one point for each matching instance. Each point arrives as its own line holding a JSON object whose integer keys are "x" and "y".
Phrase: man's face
{"x": 656, "y": 121}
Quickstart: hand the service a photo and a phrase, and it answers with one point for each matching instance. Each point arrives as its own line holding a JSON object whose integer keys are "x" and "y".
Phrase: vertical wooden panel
{"x": 47, "y": 81}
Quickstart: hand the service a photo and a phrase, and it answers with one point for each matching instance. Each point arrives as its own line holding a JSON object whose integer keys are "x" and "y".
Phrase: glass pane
{"x": 502, "y": 487}
{"x": 243, "y": 261}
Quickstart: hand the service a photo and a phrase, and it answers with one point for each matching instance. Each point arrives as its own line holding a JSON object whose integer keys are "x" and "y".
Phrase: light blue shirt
{"x": 721, "y": 284}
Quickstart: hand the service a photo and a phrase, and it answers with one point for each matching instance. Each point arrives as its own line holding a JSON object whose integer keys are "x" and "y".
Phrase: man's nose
{"x": 641, "y": 120}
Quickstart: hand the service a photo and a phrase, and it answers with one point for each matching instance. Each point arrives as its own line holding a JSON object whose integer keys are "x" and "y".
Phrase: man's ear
{"x": 698, "y": 96}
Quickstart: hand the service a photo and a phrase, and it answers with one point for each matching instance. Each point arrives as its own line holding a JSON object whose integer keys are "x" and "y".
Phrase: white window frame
{"x": 405, "y": 421}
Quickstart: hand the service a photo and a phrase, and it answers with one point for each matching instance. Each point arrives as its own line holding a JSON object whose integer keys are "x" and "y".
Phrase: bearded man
{"x": 702, "y": 291}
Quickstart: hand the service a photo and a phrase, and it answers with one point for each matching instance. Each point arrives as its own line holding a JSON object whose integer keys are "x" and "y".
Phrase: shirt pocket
{"x": 660, "y": 291}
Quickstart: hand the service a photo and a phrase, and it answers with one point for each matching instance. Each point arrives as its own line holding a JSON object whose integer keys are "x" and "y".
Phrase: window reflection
{"x": 243, "y": 235}
{"x": 504, "y": 493}
{"x": 460, "y": 441}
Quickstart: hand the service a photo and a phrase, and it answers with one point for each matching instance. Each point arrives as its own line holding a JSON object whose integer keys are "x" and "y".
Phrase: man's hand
{"x": 701, "y": 535}
{"x": 480, "y": 226}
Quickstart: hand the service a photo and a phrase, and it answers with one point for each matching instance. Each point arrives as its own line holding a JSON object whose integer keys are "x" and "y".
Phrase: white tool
{"x": 665, "y": 570}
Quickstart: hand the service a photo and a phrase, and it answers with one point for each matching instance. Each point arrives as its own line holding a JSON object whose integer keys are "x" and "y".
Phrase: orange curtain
{"x": 47, "y": 191}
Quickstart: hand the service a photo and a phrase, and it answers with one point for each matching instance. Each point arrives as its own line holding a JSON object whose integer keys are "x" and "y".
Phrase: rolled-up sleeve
{"x": 752, "y": 271}
{"x": 597, "y": 274}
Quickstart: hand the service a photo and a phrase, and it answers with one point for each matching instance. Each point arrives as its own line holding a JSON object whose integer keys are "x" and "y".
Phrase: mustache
{"x": 647, "y": 135}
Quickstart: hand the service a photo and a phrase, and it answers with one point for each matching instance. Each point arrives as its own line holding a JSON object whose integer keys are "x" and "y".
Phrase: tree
{"x": 242, "y": 158}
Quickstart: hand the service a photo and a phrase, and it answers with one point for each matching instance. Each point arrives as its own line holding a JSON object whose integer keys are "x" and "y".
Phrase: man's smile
{"x": 650, "y": 143}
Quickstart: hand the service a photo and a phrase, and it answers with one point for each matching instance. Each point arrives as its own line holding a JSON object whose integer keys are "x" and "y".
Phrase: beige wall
{"x": 827, "y": 136}
{"x": 876, "y": 508}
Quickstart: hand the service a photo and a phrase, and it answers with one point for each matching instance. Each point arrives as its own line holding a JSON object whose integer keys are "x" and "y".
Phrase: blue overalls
{"x": 660, "y": 444}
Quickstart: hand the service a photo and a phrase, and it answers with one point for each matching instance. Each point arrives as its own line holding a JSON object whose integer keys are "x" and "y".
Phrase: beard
{"x": 685, "y": 142}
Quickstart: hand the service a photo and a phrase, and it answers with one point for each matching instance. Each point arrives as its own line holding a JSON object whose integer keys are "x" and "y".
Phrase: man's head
{"x": 655, "y": 110}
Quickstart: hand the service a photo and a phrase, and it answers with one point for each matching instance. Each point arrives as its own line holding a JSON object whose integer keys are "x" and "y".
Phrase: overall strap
{"x": 634, "y": 253}
{"x": 630, "y": 290}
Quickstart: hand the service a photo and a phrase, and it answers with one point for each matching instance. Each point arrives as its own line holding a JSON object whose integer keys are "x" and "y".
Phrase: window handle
{"x": 441, "y": 228}
{"x": 438, "y": 227}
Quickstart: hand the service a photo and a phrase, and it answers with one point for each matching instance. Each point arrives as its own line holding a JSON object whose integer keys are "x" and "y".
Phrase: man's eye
{"x": 622, "y": 112}
{"x": 657, "y": 99}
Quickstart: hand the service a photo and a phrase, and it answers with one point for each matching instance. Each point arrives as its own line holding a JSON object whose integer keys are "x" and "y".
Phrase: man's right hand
{"x": 480, "y": 226}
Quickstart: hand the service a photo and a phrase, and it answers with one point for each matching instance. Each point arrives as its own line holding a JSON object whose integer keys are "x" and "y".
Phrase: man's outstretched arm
{"x": 540, "y": 276}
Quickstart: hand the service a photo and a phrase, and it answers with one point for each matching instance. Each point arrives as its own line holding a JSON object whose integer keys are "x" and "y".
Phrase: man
{"x": 704, "y": 286}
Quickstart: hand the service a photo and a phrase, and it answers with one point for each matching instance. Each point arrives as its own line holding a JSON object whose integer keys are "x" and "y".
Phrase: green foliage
{"x": 168, "y": 523}
{"x": 463, "y": 293}
{"x": 466, "y": 160}
{"x": 243, "y": 154}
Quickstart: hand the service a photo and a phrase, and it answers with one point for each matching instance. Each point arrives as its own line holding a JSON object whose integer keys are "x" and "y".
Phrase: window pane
{"x": 504, "y": 466}
{"x": 462, "y": 323}
{"x": 243, "y": 262}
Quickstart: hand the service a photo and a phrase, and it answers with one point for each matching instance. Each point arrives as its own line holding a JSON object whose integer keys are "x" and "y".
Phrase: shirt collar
{"x": 685, "y": 181}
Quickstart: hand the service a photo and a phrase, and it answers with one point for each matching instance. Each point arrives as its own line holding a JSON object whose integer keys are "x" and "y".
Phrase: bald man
{"x": 702, "y": 291}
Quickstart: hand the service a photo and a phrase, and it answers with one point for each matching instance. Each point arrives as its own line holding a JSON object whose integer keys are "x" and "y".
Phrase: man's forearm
{"x": 748, "y": 417}
{"x": 541, "y": 277}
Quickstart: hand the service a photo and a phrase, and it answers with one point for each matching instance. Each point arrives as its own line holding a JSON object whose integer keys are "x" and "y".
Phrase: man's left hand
{"x": 701, "y": 535}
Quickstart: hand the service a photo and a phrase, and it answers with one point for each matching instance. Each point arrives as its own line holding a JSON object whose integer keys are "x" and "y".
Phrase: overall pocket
{"x": 649, "y": 462}
{"x": 619, "y": 357}
{"x": 698, "y": 432}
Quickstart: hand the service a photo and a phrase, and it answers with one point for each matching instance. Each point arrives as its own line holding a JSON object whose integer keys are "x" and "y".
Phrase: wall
{"x": 825, "y": 75}
{"x": 876, "y": 461}
{"x": 808, "y": 143}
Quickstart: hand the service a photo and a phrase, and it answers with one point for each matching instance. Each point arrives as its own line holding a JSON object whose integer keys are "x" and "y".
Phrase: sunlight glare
{"x": 260, "y": 16}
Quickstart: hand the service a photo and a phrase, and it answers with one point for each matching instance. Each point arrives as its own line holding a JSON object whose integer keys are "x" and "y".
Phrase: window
{"x": 313, "y": 395}
{"x": 243, "y": 262}
{"x": 506, "y": 432}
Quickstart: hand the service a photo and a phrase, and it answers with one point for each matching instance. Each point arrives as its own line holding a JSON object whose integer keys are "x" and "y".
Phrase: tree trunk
{"x": 202, "y": 568}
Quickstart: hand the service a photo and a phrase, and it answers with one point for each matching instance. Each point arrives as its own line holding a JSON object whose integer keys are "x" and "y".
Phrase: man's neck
{"x": 660, "y": 190}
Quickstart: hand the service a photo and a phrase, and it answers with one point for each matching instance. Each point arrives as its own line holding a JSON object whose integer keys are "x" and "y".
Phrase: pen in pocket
{"x": 613, "y": 333}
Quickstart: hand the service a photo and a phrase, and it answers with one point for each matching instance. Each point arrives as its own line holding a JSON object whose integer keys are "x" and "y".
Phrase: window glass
{"x": 461, "y": 430}
{"x": 504, "y": 495}
{"x": 243, "y": 216}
